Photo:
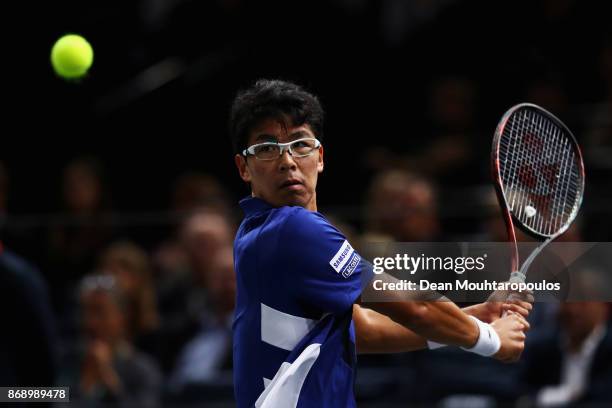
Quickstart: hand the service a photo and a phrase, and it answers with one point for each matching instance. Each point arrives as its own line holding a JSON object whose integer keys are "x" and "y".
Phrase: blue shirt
{"x": 297, "y": 279}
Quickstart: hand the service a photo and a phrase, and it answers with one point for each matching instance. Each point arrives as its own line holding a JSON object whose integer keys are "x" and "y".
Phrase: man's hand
{"x": 511, "y": 331}
{"x": 500, "y": 302}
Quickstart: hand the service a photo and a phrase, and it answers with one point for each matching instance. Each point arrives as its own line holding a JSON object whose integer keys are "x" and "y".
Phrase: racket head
{"x": 538, "y": 171}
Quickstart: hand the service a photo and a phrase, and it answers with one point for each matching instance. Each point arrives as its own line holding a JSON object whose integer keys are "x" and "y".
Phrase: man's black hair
{"x": 273, "y": 99}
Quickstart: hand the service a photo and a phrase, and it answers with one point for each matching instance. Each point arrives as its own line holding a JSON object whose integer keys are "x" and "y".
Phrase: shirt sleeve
{"x": 325, "y": 271}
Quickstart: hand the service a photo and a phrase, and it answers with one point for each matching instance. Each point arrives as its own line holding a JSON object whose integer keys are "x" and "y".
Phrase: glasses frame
{"x": 250, "y": 151}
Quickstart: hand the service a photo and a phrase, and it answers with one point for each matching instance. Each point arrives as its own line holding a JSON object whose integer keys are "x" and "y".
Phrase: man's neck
{"x": 310, "y": 206}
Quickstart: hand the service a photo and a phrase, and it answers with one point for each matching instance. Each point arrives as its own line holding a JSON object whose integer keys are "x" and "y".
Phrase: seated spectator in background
{"x": 197, "y": 190}
{"x": 192, "y": 192}
{"x": 402, "y": 206}
{"x": 210, "y": 350}
{"x": 183, "y": 293}
{"x": 76, "y": 238}
{"x": 129, "y": 265}
{"x": 111, "y": 370}
{"x": 570, "y": 363}
{"x": 493, "y": 227}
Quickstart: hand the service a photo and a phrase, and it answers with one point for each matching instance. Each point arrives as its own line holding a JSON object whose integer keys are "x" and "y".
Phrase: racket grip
{"x": 517, "y": 277}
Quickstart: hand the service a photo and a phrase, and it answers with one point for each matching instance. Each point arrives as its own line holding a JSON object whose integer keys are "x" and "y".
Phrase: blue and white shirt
{"x": 297, "y": 280}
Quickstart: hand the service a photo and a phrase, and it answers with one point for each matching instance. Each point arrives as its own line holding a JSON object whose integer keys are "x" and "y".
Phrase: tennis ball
{"x": 71, "y": 56}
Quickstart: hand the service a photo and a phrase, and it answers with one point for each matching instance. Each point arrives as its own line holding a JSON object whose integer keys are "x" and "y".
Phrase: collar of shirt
{"x": 253, "y": 205}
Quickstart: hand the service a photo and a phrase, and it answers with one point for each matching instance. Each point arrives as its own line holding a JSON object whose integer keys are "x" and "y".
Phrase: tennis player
{"x": 298, "y": 323}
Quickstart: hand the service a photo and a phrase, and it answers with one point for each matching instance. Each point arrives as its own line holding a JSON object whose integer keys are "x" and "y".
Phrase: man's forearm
{"x": 426, "y": 313}
{"x": 377, "y": 333}
{"x": 440, "y": 321}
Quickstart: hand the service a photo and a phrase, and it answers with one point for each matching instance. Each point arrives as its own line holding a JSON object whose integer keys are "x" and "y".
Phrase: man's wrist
{"x": 479, "y": 311}
{"x": 488, "y": 342}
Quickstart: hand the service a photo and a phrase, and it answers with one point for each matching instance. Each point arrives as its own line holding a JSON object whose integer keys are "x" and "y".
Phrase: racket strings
{"x": 540, "y": 172}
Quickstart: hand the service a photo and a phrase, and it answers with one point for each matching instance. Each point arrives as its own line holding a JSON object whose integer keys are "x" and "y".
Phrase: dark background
{"x": 374, "y": 83}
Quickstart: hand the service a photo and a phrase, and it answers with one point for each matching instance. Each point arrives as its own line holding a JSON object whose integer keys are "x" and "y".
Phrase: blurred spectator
{"x": 570, "y": 363}
{"x": 452, "y": 104}
{"x": 210, "y": 350}
{"x": 203, "y": 235}
{"x": 192, "y": 192}
{"x": 75, "y": 238}
{"x": 454, "y": 141}
{"x": 493, "y": 225}
{"x": 492, "y": 222}
{"x": 447, "y": 147}
{"x": 83, "y": 187}
{"x": 402, "y": 206}
{"x": 567, "y": 362}
{"x": 195, "y": 190}
{"x": 29, "y": 338}
{"x": 549, "y": 93}
{"x": 129, "y": 265}
{"x": 183, "y": 293}
{"x": 111, "y": 370}
{"x": 494, "y": 228}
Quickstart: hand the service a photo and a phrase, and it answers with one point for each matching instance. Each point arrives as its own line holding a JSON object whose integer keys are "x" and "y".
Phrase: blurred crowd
{"x": 135, "y": 308}
{"x": 127, "y": 321}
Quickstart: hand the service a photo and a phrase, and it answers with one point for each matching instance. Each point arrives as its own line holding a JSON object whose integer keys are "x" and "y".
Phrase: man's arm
{"x": 377, "y": 333}
{"x": 439, "y": 321}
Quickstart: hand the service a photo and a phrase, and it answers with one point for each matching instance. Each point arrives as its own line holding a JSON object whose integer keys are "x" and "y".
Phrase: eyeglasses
{"x": 273, "y": 150}
{"x": 98, "y": 282}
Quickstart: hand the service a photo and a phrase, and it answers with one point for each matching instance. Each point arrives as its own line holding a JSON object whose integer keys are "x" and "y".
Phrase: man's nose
{"x": 286, "y": 161}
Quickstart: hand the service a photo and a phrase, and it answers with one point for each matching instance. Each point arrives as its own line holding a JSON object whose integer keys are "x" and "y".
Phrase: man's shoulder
{"x": 300, "y": 223}
{"x": 300, "y": 215}
{"x": 289, "y": 227}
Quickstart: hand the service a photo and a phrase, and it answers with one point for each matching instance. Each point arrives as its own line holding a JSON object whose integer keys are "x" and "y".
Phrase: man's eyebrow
{"x": 265, "y": 137}
{"x": 300, "y": 134}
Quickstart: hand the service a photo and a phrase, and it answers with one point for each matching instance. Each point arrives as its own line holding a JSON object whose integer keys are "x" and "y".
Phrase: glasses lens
{"x": 301, "y": 148}
{"x": 267, "y": 151}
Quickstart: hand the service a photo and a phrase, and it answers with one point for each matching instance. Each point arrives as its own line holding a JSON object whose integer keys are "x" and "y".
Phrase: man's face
{"x": 285, "y": 180}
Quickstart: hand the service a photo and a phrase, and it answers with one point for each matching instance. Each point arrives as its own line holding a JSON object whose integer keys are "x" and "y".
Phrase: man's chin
{"x": 294, "y": 198}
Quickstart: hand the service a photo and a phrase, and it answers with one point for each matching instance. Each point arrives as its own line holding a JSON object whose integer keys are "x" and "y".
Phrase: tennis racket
{"x": 538, "y": 175}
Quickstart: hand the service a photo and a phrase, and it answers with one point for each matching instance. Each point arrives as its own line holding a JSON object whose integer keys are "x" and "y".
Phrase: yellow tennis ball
{"x": 71, "y": 56}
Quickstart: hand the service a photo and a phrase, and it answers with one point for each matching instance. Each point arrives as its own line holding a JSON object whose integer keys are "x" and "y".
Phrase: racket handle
{"x": 517, "y": 277}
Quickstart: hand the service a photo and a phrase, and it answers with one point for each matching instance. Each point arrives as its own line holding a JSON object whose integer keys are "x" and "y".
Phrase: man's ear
{"x": 320, "y": 164}
{"x": 243, "y": 169}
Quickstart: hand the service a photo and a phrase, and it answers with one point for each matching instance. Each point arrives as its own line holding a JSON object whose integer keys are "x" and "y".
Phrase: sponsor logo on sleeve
{"x": 351, "y": 265}
{"x": 342, "y": 256}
